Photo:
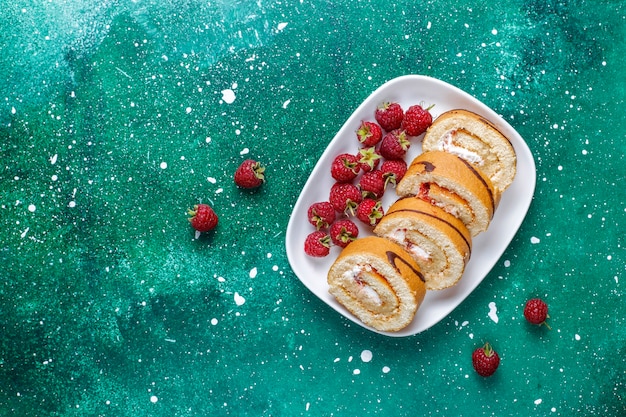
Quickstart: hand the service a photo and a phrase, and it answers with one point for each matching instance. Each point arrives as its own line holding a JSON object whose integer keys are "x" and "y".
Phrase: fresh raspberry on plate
{"x": 372, "y": 184}
{"x": 317, "y": 244}
{"x": 370, "y": 211}
{"x": 321, "y": 214}
{"x": 416, "y": 120}
{"x": 369, "y": 158}
{"x": 343, "y": 231}
{"x": 393, "y": 171}
{"x": 345, "y": 167}
{"x": 369, "y": 133}
{"x": 394, "y": 145}
{"x": 345, "y": 197}
{"x": 389, "y": 115}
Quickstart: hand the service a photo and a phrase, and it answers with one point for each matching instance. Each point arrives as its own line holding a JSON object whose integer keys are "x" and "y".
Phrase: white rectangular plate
{"x": 487, "y": 246}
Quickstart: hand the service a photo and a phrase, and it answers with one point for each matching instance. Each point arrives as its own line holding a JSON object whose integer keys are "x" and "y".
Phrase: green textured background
{"x": 109, "y": 306}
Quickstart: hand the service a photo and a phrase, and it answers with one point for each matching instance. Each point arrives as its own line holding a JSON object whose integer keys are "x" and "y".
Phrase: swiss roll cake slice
{"x": 477, "y": 140}
{"x": 453, "y": 184}
{"x": 378, "y": 282}
{"x": 439, "y": 242}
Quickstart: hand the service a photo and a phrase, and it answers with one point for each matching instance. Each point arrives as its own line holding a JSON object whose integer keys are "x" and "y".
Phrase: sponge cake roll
{"x": 477, "y": 140}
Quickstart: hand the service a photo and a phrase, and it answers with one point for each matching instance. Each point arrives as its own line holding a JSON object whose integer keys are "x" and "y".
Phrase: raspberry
{"x": 370, "y": 211}
{"x": 369, "y": 158}
{"x": 372, "y": 184}
{"x": 485, "y": 360}
{"x": 345, "y": 197}
{"x": 250, "y": 174}
{"x": 536, "y": 311}
{"x": 389, "y": 115}
{"x": 343, "y": 231}
{"x": 393, "y": 171}
{"x": 345, "y": 167}
{"x": 321, "y": 214}
{"x": 317, "y": 244}
{"x": 369, "y": 134}
{"x": 203, "y": 218}
{"x": 394, "y": 145}
{"x": 416, "y": 120}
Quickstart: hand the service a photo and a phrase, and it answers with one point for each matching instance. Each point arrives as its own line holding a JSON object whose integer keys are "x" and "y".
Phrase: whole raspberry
{"x": 343, "y": 231}
{"x": 370, "y": 211}
{"x": 203, "y": 217}
{"x": 372, "y": 184}
{"x": 485, "y": 360}
{"x": 345, "y": 167}
{"x": 369, "y": 158}
{"x": 321, "y": 214}
{"x": 317, "y": 244}
{"x": 369, "y": 134}
{"x": 389, "y": 115}
{"x": 536, "y": 311}
{"x": 416, "y": 120}
{"x": 345, "y": 197}
{"x": 393, "y": 171}
{"x": 394, "y": 145}
{"x": 250, "y": 174}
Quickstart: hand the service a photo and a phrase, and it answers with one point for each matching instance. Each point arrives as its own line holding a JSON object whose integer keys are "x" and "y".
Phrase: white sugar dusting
{"x": 281, "y": 26}
{"x": 534, "y": 240}
{"x": 228, "y": 96}
{"x": 244, "y": 151}
{"x": 253, "y": 272}
{"x": 366, "y": 355}
{"x": 239, "y": 300}
{"x": 493, "y": 312}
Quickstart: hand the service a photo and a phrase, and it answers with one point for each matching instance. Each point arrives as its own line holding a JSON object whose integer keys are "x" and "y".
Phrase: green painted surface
{"x": 114, "y": 120}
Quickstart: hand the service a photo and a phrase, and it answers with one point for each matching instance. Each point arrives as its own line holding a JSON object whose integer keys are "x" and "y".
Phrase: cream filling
{"x": 449, "y": 208}
{"x": 399, "y": 236}
{"x": 446, "y": 143}
{"x": 363, "y": 290}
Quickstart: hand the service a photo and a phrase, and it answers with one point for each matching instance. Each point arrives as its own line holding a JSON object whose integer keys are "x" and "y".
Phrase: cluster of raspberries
{"x": 361, "y": 178}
